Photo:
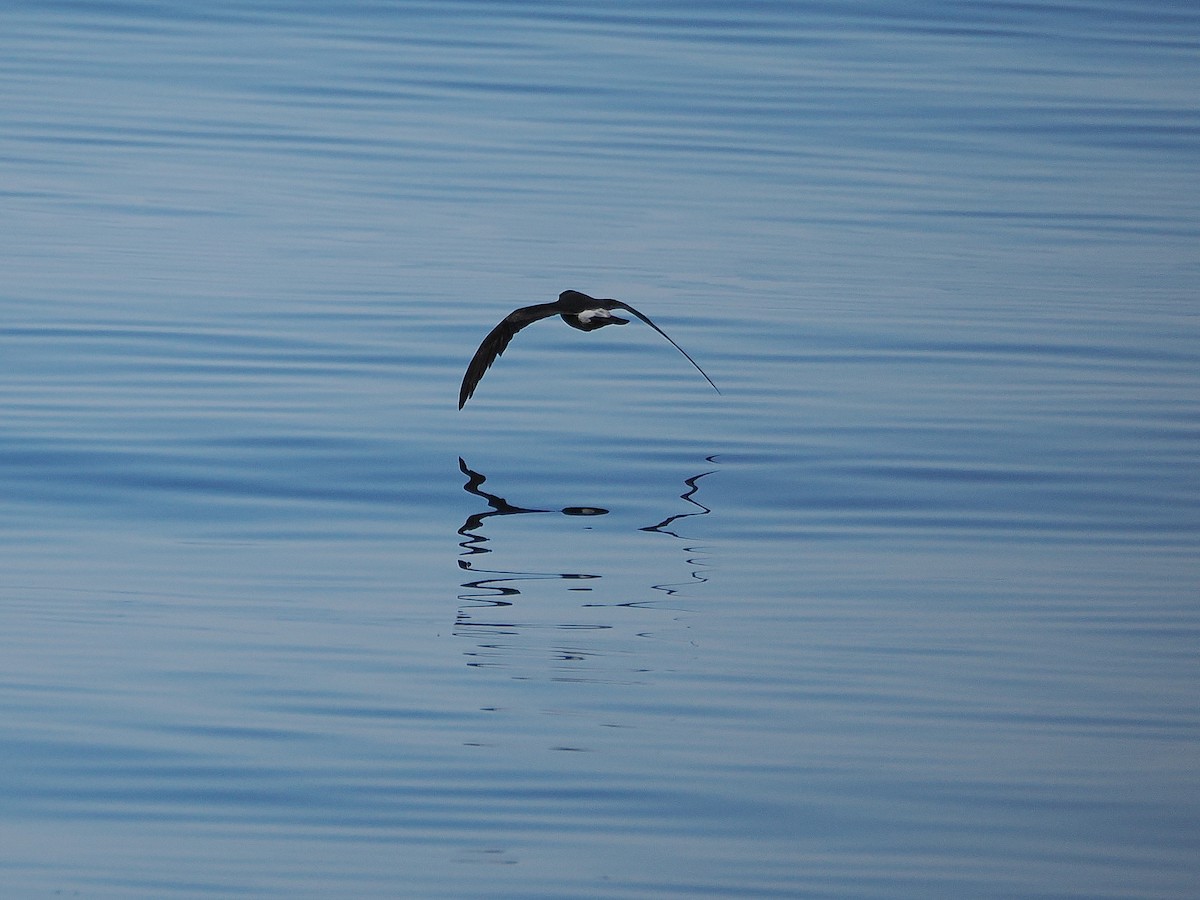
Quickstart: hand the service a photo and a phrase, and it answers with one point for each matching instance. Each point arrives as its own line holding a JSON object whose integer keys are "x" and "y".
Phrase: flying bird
{"x": 576, "y": 309}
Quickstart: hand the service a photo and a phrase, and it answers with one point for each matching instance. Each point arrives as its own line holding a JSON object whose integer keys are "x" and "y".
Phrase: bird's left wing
{"x": 496, "y": 342}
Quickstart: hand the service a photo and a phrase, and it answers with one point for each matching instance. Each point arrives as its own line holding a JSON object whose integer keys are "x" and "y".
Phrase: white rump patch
{"x": 588, "y": 314}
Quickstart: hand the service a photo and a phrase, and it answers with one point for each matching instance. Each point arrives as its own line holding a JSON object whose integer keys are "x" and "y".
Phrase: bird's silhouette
{"x": 576, "y": 309}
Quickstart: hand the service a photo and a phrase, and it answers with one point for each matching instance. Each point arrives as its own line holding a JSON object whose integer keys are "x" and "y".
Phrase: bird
{"x": 576, "y": 309}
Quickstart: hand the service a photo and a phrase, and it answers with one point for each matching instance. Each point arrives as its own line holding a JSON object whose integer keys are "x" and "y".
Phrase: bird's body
{"x": 576, "y": 309}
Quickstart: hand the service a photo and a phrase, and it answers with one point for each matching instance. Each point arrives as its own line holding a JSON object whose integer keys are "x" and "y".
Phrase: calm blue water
{"x": 910, "y": 609}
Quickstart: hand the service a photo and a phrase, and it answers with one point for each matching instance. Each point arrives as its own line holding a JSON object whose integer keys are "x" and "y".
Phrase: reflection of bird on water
{"x": 475, "y": 541}
{"x": 500, "y": 507}
{"x": 663, "y": 527}
{"x": 576, "y": 309}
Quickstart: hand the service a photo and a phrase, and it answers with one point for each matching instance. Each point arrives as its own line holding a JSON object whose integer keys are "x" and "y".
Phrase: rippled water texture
{"x": 909, "y": 609}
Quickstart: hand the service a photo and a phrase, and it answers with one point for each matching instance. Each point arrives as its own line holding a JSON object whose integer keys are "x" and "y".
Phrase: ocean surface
{"x": 910, "y": 609}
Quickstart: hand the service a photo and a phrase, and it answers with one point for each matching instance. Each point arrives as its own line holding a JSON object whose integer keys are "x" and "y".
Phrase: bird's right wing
{"x": 496, "y": 342}
{"x": 645, "y": 318}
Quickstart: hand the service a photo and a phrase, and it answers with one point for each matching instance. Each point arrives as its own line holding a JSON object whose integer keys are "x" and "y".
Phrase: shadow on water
{"x": 497, "y": 589}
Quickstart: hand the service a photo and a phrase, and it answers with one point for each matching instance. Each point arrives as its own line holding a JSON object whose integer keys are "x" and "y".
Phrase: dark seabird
{"x": 576, "y": 309}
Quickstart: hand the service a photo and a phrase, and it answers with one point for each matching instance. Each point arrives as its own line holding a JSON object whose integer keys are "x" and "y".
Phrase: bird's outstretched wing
{"x": 496, "y": 342}
{"x": 617, "y": 304}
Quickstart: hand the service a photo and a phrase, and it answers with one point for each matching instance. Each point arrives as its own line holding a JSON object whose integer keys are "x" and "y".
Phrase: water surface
{"x": 908, "y": 610}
